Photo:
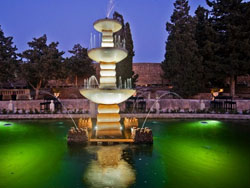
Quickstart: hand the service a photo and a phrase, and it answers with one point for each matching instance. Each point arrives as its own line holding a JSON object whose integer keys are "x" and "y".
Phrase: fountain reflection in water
{"x": 110, "y": 169}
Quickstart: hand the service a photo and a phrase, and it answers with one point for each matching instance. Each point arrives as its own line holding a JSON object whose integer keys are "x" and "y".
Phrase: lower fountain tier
{"x": 108, "y": 120}
{"x": 107, "y": 96}
{"x": 109, "y": 132}
{"x": 108, "y": 125}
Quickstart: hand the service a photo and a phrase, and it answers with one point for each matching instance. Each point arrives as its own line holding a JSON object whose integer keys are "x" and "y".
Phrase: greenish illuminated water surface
{"x": 185, "y": 153}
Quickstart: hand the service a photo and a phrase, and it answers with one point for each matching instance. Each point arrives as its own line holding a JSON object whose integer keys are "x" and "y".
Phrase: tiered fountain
{"x": 107, "y": 95}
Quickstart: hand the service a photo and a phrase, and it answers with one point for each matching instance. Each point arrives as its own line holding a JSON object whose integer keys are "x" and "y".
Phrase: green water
{"x": 185, "y": 153}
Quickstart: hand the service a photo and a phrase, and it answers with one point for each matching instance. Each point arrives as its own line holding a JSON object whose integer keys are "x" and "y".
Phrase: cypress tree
{"x": 204, "y": 34}
{"x": 125, "y": 67}
{"x": 183, "y": 64}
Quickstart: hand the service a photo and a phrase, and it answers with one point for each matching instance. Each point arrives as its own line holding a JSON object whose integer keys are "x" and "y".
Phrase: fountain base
{"x": 142, "y": 135}
{"x": 136, "y": 136}
{"x": 77, "y": 136}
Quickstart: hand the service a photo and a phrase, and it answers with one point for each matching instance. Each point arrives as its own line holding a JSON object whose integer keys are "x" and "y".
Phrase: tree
{"x": 229, "y": 20}
{"x": 43, "y": 63}
{"x": 79, "y": 64}
{"x": 125, "y": 67}
{"x": 183, "y": 64}
{"x": 8, "y": 58}
{"x": 203, "y": 35}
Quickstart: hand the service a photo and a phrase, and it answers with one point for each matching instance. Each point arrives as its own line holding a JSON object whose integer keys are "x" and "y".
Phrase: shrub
{"x": 4, "y": 111}
{"x": 31, "y": 111}
{"x": 245, "y": 112}
{"x": 36, "y": 111}
{"x": 17, "y": 111}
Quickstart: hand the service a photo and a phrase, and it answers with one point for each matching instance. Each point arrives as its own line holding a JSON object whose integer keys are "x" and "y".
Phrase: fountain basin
{"x": 107, "y": 25}
{"x": 106, "y": 96}
{"x": 107, "y": 54}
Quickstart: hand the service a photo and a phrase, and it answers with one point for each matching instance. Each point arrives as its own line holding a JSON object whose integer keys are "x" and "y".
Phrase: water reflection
{"x": 110, "y": 169}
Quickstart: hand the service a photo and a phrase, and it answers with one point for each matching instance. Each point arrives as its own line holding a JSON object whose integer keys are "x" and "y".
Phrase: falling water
{"x": 94, "y": 42}
{"x": 125, "y": 84}
{"x": 157, "y": 100}
{"x": 124, "y": 43}
{"x": 100, "y": 40}
{"x": 120, "y": 82}
{"x": 63, "y": 107}
{"x": 110, "y": 7}
{"x": 119, "y": 40}
{"x": 91, "y": 45}
{"x": 91, "y": 83}
{"x": 115, "y": 40}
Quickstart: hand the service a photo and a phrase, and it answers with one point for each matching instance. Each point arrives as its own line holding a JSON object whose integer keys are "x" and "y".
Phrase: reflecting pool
{"x": 185, "y": 153}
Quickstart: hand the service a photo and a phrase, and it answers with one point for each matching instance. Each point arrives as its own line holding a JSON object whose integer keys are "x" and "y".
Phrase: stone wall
{"x": 149, "y": 74}
{"x": 69, "y": 104}
{"x": 187, "y": 104}
{"x": 163, "y": 105}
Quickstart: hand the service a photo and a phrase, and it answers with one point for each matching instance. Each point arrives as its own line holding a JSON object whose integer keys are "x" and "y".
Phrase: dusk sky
{"x": 71, "y": 21}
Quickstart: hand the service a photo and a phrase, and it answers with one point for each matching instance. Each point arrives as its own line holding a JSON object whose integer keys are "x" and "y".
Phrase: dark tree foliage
{"x": 125, "y": 67}
{"x": 183, "y": 64}
{"x": 204, "y": 34}
{"x": 231, "y": 55}
{"x": 42, "y": 63}
{"x": 79, "y": 64}
{"x": 8, "y": 58}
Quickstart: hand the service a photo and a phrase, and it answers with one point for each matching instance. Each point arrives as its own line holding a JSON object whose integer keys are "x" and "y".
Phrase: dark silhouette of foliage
{"x": 79, "y": 64}
{"x": 183, "y": 63}
{"x": 231, "y": 52}
{"x": 42, "y": 63}
{"x": 8, "y": 59}
{"x": 125, "y": 67}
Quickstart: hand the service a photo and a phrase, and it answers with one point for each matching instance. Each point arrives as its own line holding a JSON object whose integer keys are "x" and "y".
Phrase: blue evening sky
{"x": 71, "y": 21}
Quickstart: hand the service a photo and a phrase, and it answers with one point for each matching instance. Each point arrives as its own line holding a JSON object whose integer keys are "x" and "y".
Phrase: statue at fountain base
{"x": 77, "y": 136}
{"x": 142, "y": 135}
{"x": 85, "y": 123}
{"x": 130, "y": 122}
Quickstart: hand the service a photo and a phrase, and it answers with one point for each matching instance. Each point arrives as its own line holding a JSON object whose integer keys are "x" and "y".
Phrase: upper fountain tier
{"x": 107, "y": 25}
{"x": 108, "y": 52}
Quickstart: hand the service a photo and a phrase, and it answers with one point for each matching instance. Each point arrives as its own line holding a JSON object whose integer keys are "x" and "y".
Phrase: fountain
{"x": 106, "y": 94}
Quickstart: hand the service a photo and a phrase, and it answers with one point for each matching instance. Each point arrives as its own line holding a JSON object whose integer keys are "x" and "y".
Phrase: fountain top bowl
{"x": 107, "y": 25}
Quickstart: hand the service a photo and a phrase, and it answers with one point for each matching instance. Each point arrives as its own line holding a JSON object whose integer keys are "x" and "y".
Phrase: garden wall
{"x": 184, "y": 105}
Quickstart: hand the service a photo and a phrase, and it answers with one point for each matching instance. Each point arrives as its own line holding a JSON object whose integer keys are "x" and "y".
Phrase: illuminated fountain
{"x": 108, "y": 96}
